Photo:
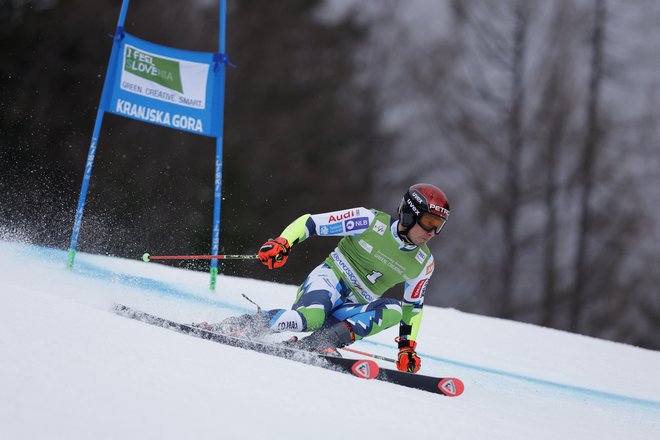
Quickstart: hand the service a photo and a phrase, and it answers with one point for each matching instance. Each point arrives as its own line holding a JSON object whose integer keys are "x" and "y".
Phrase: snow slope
{"x": 71, "y": 369}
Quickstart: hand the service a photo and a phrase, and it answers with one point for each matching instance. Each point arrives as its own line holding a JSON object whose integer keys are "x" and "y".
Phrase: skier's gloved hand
{"x": 274, "y": 253}
{"x": 408, "y": 359}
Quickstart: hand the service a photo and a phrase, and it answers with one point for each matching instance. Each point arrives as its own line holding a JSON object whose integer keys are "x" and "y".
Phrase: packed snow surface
{"x": 71, "y": 369}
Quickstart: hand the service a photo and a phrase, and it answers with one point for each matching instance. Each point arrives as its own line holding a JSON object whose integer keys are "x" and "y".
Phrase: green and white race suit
{"x": 370, "y": 259}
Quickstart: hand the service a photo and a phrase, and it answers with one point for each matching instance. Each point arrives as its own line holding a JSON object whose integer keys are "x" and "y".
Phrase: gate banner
{"x": 165, "y": 86}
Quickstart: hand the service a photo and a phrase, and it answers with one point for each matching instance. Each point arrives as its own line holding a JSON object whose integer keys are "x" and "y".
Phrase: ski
{"x": 361, "y": 368}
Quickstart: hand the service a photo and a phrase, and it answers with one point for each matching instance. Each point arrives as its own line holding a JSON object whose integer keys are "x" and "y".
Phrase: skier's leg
{"x": 315, "y": 299}
{"x": 369, "y": 319}
{"x": 349, "y": 322}
{"x": 321, "y": 293}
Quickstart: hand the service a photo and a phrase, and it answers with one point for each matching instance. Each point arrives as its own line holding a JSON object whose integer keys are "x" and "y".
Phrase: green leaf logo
{"x": 162, "y": 71}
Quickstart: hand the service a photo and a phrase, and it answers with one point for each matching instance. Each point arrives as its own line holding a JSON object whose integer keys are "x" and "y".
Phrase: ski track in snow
{"x": 70, "y": 364}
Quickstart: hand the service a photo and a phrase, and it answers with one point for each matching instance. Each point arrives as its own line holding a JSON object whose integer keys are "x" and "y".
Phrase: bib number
{"x": 373, "y": 276}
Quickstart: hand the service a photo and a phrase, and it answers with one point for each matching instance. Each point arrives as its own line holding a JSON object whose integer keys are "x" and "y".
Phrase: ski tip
{"x": 365, "y": 369}
{"x": 145, "y": 257}
{"x": 451, "y": 387}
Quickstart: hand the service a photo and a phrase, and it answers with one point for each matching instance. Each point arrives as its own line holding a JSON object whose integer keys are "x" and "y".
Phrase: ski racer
{"x": 341, "y": 300}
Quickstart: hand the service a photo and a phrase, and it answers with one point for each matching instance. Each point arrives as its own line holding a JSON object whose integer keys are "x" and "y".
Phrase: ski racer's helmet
{"x": 425, "y": 205}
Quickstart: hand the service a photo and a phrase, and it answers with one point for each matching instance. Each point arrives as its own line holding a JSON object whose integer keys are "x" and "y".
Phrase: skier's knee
{"x": 314, "y": 318}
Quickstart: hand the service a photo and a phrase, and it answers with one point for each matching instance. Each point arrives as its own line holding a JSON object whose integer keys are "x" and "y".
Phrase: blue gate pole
{"x": 215, "y": 243}
{"x": 95, "y": 135}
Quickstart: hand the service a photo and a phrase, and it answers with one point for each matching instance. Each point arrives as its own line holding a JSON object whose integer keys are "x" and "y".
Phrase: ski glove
{"x": 408, "y": 359}
{"x": 274, "y": 253}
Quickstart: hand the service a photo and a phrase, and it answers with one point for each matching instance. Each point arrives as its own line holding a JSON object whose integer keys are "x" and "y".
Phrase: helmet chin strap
{"x": 405, "y": 238}
{"x": 403, "y": 234}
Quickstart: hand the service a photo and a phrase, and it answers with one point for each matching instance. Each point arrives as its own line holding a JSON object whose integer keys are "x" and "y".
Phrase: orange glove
{"x": 274, "y": 253}
{"x": 408, "y": 359}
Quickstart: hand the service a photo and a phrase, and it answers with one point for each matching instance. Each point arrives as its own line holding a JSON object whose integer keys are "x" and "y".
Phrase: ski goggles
{"x": 431, "y": 222}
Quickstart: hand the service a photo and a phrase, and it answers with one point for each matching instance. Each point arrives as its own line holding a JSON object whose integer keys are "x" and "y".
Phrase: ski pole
{"x": 364, "y": 353}
{"x": 146, "y": 257}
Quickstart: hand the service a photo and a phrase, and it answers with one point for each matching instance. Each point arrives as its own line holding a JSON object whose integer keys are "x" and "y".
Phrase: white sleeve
{"x": 345, "y": 222}
{"x": 415, "y": 288}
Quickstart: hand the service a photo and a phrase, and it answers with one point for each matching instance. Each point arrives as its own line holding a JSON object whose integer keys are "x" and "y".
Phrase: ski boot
{"x": 325, "y": 340}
